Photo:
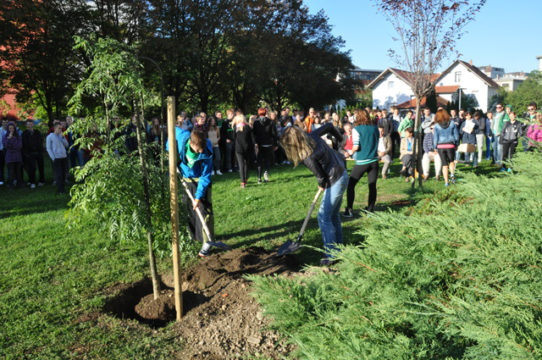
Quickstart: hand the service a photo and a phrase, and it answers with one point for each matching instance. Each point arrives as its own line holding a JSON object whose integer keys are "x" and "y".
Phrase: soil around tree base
{"x": 221, "y": 320}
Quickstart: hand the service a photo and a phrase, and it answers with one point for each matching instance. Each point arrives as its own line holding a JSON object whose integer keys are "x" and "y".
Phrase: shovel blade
{"x": 288, "y": 247}
{"x": 219, "y": 244}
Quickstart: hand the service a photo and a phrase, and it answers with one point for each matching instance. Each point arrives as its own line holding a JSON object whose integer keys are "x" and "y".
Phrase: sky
{"x": 505, "y": 34}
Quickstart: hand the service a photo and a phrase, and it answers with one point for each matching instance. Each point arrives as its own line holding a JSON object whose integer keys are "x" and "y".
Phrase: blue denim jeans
{"x": 329, "y": 217}
{"x": 497, "y": 150}
{"x": 488, "y": 148}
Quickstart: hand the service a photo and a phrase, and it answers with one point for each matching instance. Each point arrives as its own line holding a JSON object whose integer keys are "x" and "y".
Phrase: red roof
{"x": 411, "y": 104}
{"x": 446, "y": 89}
{"x": 10, "y": 108}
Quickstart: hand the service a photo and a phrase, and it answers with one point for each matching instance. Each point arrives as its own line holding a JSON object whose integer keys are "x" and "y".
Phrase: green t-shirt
{"x": 191, "y": 156}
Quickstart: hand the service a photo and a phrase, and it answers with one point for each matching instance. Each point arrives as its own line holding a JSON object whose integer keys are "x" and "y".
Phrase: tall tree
{"x": 38, "y": 49}
{"x": 427, "y": 31}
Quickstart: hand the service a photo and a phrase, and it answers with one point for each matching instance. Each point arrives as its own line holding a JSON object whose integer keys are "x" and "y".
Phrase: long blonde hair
{"x": 238, "y": 119}
{"x": 296, "y": 144}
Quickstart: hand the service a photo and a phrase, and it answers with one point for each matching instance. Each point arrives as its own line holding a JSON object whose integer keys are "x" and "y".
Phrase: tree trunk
{"x": 417, "y": 143}
{"x": 145, "y": 180}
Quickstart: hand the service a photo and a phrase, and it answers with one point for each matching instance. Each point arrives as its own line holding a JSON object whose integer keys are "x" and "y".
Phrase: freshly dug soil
{"x": 221, "y": 320}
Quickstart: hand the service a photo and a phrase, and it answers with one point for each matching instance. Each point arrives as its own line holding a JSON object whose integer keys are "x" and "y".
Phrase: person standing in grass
{"x": 213, "y": 133}
{"x": 445, "y": 139}
{"x": 265, "y": 139}
{"x": 33, "y": 154}
{"x": 196, "y": 165}
{"x": 56, "y": 148}
{"x": 511, "y": 132}
{"x": 384, "y": 151}
{"x": 243, "y": 146}
{"x": 468, "y": 131}
{"x": 365, "y": 149}
{"x": 328, "y": 167}
{"x": 534, "y": 132}
{"x": 13, "y": 145}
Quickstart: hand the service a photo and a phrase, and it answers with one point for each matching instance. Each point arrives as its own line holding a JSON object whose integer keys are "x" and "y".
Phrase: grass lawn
{"x": 52, "y": 278}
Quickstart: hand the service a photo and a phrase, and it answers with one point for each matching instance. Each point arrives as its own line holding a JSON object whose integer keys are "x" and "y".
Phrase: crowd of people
{"x": 211, "y": 145}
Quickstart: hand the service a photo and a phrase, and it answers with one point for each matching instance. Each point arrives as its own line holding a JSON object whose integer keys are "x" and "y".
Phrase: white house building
{"x": 471, "y": 81}
{"x": 392, "y": 86}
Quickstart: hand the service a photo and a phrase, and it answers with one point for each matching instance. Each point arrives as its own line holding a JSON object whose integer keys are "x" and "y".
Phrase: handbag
{"x": 466, "y": 148}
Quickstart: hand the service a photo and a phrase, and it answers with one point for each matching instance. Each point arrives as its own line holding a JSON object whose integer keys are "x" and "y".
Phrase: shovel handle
{"x": 204, "y": 225}
{"x": 311, "y": 209}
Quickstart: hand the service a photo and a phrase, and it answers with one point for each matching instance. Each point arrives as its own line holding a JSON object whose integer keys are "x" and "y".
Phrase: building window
{"x": 458, "y": 76}
{"x": 390, "y": 84}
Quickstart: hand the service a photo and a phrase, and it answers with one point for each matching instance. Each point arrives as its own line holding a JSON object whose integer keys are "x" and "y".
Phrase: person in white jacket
{"x": 56, "y": 145}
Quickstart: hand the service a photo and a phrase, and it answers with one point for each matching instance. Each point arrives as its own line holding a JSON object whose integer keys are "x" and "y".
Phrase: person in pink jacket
{"x": 534, "y": 132}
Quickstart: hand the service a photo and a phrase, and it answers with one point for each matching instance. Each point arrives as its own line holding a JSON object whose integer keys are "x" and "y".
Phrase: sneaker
{"x": 230, "y": 170}
{"x": 218, "y": 172}
{"x": 41, "y": 183}
{"x": 509, "y": 170}
{"x": 265, "y": 176}
{"x": 452, "y": 178}
{"x": 1, "y": 183}
{"x": 213, "y": 172}
{"x": 327, "y": 261}
{"x": 446, "y": 184}
{"x": 348, "y": 213}
{"x": 205, "y": 250}
{"x": 503, "y": 170}
{"x": 32, "y": 186}
{"x": 243, "y": 185}
{"x": 259, "y": 181}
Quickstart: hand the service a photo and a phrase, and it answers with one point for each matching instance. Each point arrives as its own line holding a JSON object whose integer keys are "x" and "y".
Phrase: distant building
{"x": 365, "y": 75}
{"x": 392, "y": 86}
{"x": 511, "y": 81}
{"x": 491, "y": 71}
{"x": 539, "y": 58}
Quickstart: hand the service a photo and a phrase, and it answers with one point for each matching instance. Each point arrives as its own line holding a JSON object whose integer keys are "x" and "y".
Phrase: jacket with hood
{"x": 202, "y": 167}
{"x": 511, "y": 132}
{"x": 445, "y": 134}
{"x": 324, "y": 162}
{"x": 265, "y": 132}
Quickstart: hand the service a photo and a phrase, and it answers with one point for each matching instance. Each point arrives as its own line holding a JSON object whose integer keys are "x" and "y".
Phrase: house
{"x": 470, "y": 81}
{"x": 390, "y": 88}
{"x": 511, "y": 81}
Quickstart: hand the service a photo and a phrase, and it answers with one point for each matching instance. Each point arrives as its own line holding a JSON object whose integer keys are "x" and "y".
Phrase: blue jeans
{"x": 488, "y": 148}
{"x": 497, "y": 150}
{"x": 329, "y": 217}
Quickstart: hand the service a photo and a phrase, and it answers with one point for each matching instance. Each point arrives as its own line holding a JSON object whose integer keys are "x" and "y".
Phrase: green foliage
{"x": 461, "y": 277}
{"x": 528, "y": 91}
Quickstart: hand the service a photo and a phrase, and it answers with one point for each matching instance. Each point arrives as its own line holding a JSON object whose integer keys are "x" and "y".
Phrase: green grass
{"x": 51, "y": 276}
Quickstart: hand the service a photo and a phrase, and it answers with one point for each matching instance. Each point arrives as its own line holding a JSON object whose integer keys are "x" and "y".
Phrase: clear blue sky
{"x": 505, "y": 33}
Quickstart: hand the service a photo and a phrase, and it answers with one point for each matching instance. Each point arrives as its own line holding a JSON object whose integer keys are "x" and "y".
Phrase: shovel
{"x": 292, "y": 246}
{"x": 206, "y": 244}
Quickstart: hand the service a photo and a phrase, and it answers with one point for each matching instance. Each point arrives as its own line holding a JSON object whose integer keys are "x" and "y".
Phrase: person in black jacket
{"x": 226, "y": 139}
{"x": 243, "y": 146}
{"x": 328, "y": 167}
{"x": 265, "y": 139}
{"x": 511, "y": 132}
{"x": 33, "y": 154}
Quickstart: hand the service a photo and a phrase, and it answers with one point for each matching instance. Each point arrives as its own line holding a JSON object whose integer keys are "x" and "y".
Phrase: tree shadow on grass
{"x": 34, "y": 206}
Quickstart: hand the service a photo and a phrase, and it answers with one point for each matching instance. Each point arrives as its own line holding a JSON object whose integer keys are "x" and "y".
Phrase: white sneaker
{"x": 266, "y": 176}
{"x": 230, "y": 170}
{"x": 41, "y": 184}
{"x": 1, "y": 183}
{"x": 213, "y": 172}
{"x": 32, "y": 186}
{"x": 218, "y": 172}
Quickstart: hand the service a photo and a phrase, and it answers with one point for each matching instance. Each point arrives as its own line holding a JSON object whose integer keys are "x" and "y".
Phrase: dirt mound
{"x": 221, "y": 320}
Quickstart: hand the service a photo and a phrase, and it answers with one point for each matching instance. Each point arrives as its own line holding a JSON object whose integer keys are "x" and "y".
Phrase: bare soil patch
{"x": 221, "y": 320}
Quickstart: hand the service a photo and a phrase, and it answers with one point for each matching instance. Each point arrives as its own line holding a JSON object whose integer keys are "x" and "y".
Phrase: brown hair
{"x": 198, "y": 139}
{"x": 361, "y": 117}
{"x": 262, "y": 112}
{"x": 297, "y": 144}
{"x": 442, "y": 117}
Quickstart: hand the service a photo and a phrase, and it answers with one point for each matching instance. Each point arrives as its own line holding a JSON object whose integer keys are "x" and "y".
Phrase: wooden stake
{"x": 174, "y": 204}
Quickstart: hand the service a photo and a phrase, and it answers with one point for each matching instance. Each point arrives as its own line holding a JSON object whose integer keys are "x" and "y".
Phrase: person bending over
{"x": 196, "y": 165}
{"x": 328, "y": 167}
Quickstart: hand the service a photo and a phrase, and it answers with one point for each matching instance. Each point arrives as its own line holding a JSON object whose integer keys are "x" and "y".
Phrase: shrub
{"x": 460, "y": 279}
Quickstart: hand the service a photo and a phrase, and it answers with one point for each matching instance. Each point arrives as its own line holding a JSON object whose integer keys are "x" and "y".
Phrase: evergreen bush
{"x": 457, "y": 277}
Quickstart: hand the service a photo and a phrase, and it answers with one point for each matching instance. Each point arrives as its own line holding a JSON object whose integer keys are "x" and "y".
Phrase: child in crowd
{"x": 407, "y": 151}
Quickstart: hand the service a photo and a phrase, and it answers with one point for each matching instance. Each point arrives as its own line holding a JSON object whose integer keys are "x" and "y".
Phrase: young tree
{"x": 427, "y": 32}
{"x": 114, "y": 187}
